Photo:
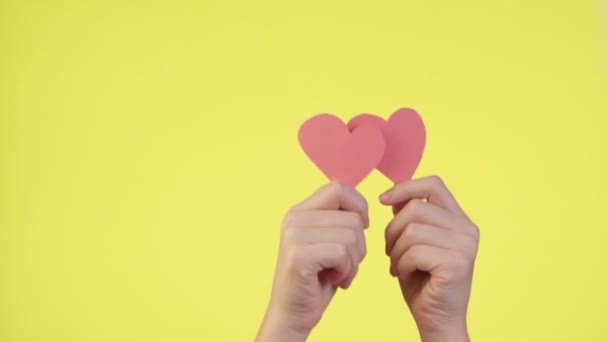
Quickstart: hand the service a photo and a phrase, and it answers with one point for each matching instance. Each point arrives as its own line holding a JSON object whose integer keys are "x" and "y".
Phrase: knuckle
{"x": 413, "y": 206}
{"x": 391, "y": 235}
{"x": 294, "y": 257}
{"x": 470, "y": 229}
{"x": 453, "y": 270}
{"x": 404, "y": 259}
{"x": 355, "y": 269}
{"x": 436, "y": 182}
{"x": 469, "y": 247}
{"x": 400, "y": 267}
{"x": 350, "y": 237}
{"x": 460, "y": 263}
{"x": 396, "y": 260}
{"x": 289, "y": 234}
{"x": 474, "y": 235}
{"x": 414, "y": 251}
{"x": 364, "y": 251}
{"x": 403, "y": 262}
{"x": 364, "y": 204}
{"x": 389, "y": 232}
{"x": 414, "y": 230}
{"x": 475, "y": 232}
{"x": 290, "y": 218}
{"x": 354, "y": 220}
{"x": 471, "y": 242}
{"x": 410, "y": 232}
{"x": 296, "y": 261}
{"x": 342, "y": 251}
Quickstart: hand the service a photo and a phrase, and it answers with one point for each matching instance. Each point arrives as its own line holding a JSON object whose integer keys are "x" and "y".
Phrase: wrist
{"x": 276, "y": 327}
{"x": 456, "y": 333}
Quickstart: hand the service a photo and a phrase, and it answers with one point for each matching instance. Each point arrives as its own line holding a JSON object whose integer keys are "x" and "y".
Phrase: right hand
{"x": 322, "y": 244}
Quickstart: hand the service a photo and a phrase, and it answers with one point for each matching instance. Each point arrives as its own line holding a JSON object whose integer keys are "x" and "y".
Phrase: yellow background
{"x": 148, "y": 152}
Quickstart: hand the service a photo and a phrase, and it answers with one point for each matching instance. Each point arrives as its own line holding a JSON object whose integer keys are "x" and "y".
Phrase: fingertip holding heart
{"x": 350, "y": 152}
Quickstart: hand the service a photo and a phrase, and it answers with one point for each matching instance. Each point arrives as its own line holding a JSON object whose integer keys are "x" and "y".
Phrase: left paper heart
{"x": 342, "y": 155}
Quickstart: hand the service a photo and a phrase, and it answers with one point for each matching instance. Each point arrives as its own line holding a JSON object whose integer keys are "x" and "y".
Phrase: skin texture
{"x": 430, "y": 241}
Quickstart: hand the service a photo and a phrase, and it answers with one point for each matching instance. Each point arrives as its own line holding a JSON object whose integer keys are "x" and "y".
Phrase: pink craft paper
{"x": 341, "y": 154}
{"x": 404, "y": 136}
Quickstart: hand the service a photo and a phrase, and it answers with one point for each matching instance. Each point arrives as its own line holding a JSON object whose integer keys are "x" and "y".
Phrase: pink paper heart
{"x": 341, "y": 154}
{"x": 404, "y": 136}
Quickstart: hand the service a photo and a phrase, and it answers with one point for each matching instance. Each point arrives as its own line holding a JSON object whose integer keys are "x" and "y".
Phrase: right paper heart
{"x": 404, "y": 136}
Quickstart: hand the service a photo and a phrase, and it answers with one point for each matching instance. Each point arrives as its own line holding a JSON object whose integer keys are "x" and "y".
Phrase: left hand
{"x": 432, "y": 245}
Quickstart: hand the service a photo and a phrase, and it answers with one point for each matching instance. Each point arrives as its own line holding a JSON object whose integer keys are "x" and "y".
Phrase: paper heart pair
{"x": 349, "y": 152}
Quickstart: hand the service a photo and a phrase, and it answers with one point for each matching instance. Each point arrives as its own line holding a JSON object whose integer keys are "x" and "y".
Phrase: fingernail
{"x": 386, "y": 195}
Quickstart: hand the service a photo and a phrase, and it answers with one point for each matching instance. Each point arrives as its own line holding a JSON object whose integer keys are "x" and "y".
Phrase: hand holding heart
{"x": 430, "y": 241}
{"x": 321, "y": 246}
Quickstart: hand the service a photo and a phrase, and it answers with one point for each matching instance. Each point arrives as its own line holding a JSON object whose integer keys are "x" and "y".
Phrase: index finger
{"x": 430, "y": 188}
{"x": 336, "y": 196}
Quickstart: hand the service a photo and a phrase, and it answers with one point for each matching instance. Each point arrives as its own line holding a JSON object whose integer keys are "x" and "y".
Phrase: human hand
{"x": 322, "y": 244}
{"x": 432, "y": 245}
